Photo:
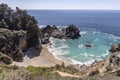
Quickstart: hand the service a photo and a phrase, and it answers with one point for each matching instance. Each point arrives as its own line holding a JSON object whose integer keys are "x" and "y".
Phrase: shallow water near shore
{"x": 74, "y": 51}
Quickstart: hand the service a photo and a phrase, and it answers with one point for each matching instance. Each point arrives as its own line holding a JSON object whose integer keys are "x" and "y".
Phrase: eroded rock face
{"x": 115, "y": 48}
{"x": 70, "y": 32}
{"x": 113, "y": 60}
{"x": 18, "y": 31}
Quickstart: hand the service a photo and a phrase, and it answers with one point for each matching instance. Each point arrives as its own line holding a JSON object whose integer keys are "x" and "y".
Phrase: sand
{"x": 42, "y": 59}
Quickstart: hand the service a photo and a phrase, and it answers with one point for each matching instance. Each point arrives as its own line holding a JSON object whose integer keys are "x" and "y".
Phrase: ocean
{"x": 99, "y": 28}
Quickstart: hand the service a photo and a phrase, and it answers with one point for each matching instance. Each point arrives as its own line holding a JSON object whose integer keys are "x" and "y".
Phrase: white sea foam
{"x": 94, "y": 32}
{"x": 81, "y": 46}
{"x": 83, "y": 32}
{"x": 57, "y": 51}
{"x": 89, "y": 62}
{"x": 41, "y": 26}
{"x": 76, "y": 62}
{"x": 81, "y": 63}
{"x": 105, "y": 54}
{"x": 63, "y": 46}
{"x": 87, "y": 55}
{"x": 112, "y": 36}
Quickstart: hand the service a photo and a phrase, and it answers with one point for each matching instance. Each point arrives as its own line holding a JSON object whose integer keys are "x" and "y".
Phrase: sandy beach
{"x": 43, "y": 59}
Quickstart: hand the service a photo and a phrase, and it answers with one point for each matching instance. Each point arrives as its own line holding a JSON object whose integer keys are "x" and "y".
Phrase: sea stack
{"x": 70, "y": 32}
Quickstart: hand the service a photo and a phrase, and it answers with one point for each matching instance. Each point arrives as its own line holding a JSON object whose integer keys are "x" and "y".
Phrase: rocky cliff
{"x": 18, "y": 32}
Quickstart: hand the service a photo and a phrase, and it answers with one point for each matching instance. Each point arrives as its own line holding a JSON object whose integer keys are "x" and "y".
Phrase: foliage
{"x": 9, "y": 43}
{"x": 16, "y": 26}
{"x": 19, "y": 20}
{"x": 5, "y": 59}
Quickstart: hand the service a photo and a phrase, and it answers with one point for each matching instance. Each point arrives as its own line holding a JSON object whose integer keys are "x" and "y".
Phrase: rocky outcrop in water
{"x": 70, "y": 32}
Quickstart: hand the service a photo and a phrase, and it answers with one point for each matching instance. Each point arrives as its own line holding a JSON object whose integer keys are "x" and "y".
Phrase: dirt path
{"x": 63, "y": 74}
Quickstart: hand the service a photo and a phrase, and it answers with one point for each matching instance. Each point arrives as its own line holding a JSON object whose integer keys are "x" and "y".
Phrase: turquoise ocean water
{"x": 98, "y": 28}
{"x": 75, "y": 52}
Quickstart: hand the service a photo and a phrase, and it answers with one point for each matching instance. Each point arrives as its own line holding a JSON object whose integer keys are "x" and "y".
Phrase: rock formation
{"x": 18, "y": 31}
{"x": 114, "y": 58}
{"x": 115, "y": 48}
{"x": 70, "y": 32}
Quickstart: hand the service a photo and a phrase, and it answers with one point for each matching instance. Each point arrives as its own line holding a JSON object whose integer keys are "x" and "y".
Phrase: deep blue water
{"x": 105, "y": 21}
{"x": 98, "y": 28}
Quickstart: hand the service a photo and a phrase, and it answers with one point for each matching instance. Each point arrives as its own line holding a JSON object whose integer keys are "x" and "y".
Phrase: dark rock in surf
{"x": 88, "y": 45}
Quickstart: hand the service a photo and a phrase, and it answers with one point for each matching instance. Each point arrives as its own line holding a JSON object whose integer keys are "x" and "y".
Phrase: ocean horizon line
{"x": 77, "y": 9}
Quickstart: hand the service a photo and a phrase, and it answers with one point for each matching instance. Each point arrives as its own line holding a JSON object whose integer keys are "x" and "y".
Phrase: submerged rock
{"x": 88, "y": 45}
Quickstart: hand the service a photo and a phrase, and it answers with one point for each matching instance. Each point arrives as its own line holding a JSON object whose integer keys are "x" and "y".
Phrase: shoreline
{"x": 49, "y": 56}
{"x": 44, "y": 59}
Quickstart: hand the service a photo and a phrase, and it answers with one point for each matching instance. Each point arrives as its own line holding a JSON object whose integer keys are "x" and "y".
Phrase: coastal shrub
{"x": 36, "y": 71}
{"x": 57, "y": 66}
{"x": 93, "y": 72}
{"x": 1, "y": 70}
{"x": 5, "y": 59}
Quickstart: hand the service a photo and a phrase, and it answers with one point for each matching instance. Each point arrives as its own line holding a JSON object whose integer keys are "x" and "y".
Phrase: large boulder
{"x": 70, "y": 32}
{"x": 115, "y": 48}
